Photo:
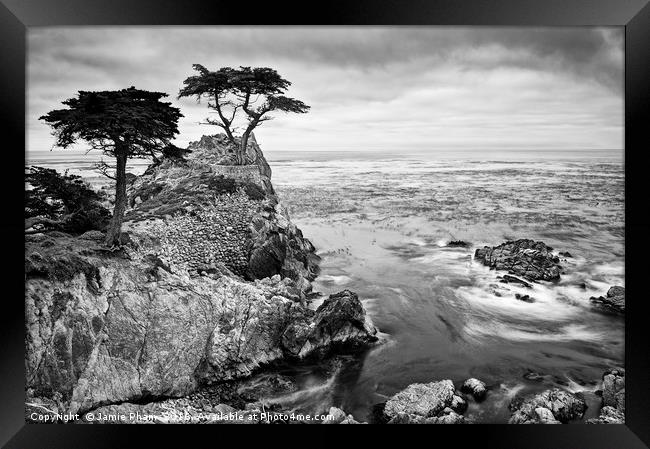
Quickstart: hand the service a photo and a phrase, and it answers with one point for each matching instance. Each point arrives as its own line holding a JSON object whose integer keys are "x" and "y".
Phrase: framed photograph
{"x": 385, "y": 215}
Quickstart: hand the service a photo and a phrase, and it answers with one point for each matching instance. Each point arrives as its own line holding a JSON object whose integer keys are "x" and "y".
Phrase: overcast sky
{"x": 369, "y": 88}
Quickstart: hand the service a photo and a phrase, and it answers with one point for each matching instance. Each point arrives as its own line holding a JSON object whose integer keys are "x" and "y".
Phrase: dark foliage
{"x": 175, "y": 153}
{"x": 130, "y": 120}
{"x": 221, "y": 185}
{"x": 62, "y": 267}
{"x": 254, "y": 191}
{"x": 65, "y": 202}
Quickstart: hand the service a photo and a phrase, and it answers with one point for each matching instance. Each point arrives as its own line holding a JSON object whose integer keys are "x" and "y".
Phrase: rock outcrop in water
{"x": 527, "y": 258}
{"x": 614, "y": 301}
{"x": 608, "y": 415}
{"x": 507, "y": 279}
{"x": 339, "y": 320}
{"x": 613, "y": 404}
{"x": 549, "y": 407}
{"x": 338, "y": 416}
{"x": 180, "y": 305}
{"x": 474, "y": 387}
{"x": 432, "y": 403}
{"x": 614, "y": 388}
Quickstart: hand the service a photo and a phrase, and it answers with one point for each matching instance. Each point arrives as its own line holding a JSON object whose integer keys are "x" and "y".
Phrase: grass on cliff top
{"x": 59, "y": 257}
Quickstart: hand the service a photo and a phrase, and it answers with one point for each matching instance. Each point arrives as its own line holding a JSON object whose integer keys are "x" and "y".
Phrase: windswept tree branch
{"x": 226, "y": 123}
{"x": 103, "y": 168}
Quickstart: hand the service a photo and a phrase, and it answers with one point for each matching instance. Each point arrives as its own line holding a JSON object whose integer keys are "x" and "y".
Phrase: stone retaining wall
{"x": 217, "y": 234}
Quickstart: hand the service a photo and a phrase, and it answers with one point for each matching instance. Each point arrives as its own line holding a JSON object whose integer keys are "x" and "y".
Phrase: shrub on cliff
{"x": 220, "y": 185}
{"x": 175, "y": 153}
{"x": 254, "y": 191}
{"x": 62, "y": 202}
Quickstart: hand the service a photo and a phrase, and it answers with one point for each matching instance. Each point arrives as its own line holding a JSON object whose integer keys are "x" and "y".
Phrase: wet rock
{"x": 458, "y": 404}
{"x": 536, "y": 377}
{"x": 339, "y": 321}
{"x": 545, "y": 416}
{"x": 525, "y": 298}
{"x": 565, "y": 254}
{"x": 527, "y": 258}
{"x": 448, "y": 416}
{"x": 508, "y": 279}
{"x": 338, "y": 416}
{"x": 616, "y": 291}
{"x": 457, "y": 244}
{"x": 335, "y": 416}
{"x": 421, "y": 399}
{"x": 474, "y": 387}
{"x": 614, "y": 389}
{"x": 423, "y": 404}
{"x": 614, "y": 302}
{"x": 498, "y": 290}
{"x": 608, "y": 415}
{"x": 555, "y": 405}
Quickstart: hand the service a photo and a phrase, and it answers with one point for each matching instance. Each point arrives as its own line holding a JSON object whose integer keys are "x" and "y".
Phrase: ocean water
{"x": 380, "y": 222}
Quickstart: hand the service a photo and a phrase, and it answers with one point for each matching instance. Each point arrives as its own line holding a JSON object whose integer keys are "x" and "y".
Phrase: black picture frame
{"x": 17, "y": 15}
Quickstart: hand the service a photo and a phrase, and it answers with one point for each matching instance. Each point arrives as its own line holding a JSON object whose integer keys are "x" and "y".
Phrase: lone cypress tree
{"x": 230, "y": 92}
{"x": 122, "y": 124}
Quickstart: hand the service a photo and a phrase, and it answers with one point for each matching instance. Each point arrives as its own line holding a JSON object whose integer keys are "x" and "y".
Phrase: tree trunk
{"x": 242, "y": 149}
{"x": 115, "y": 226}
{"x": 244, "y": 138}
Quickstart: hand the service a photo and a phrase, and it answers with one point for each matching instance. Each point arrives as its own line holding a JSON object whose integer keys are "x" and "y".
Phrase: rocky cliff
{"x": 198, "y": 213}
{"x": 212, "y": 283}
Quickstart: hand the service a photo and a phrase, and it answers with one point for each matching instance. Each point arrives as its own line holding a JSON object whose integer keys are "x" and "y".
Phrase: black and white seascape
{"x": 429, "y": 230}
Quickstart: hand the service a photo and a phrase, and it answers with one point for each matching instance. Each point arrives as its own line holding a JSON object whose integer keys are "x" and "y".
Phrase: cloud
{"x": 370, "y": 88}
